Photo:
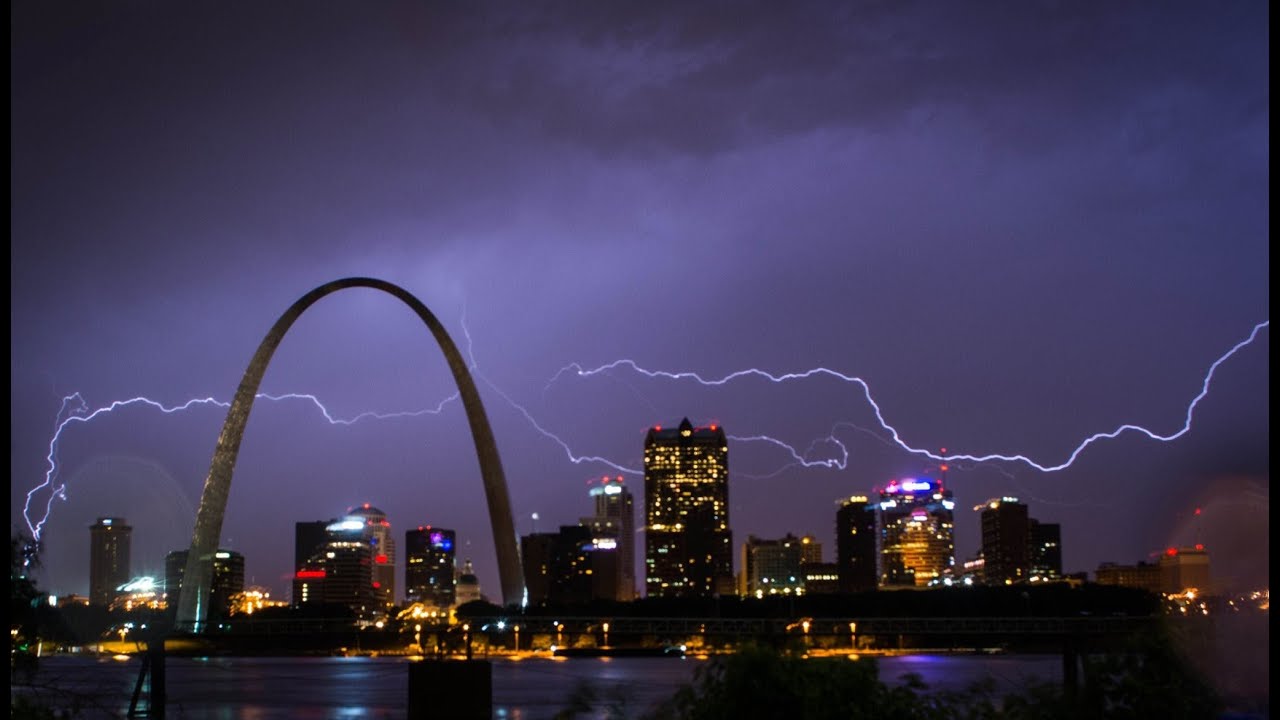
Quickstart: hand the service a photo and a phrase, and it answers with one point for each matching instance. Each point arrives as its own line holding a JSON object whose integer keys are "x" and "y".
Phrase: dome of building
{"x": 366, "y": 510}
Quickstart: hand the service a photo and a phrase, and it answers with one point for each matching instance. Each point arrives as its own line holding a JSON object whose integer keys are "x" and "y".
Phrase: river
{"x": 257, "y": 688}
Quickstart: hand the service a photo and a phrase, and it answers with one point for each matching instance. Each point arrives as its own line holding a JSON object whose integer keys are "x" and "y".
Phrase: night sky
{"x": 1020, "y": 223}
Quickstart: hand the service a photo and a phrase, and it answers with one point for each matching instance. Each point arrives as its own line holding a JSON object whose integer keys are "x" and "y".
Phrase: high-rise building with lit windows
{"x": 383, "y": 549}
{"x": 917, "y": 540}
{"x": 568, "y": 567}
{"x": 613, "y": 526}
{"x": 1006, "y": 541}
{"x": 1046, "y": 550}
{"x": 1186, "y": 568}
{"x": 430, "y": 570}
{"x": 227, "y": 580}
{"x": 109, "y": 545}
{"x": 772, "y": 567}
{"x": 340, "y": 572}
{"x": 856, "y": 543}
{"x": 688, "y": 543}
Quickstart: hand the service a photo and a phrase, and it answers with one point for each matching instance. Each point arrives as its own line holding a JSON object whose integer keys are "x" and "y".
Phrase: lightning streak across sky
{"x": 75, "y": 410}
{"x": 893, "y": 431}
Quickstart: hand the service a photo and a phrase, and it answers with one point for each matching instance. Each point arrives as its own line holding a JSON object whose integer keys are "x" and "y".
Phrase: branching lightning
{"x": 896, "y": 437}
{"x": 76, "y": 410}
{"x": 568, "y": 451}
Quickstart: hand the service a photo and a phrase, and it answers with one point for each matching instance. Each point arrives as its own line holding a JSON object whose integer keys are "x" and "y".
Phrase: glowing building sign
{"x": 440, "y": 541}
{"x": 916, "y": 485}
{"x": 346, "y": 525}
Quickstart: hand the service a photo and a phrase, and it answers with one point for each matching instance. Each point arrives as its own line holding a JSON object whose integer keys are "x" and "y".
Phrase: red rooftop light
{"x": 1199, "y": 546}
{"x": 1171, "y": 552}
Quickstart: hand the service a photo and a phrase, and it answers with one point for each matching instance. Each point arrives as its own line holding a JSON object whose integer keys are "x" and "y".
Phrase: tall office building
{"x": 772, "y": 567}
{"x": 1186, "y": 568}
{"x": 688, "y": 543}
{"x": 228, "y": 579}
{"x": 568, "y": 568}
{"x": 309, "y": 538}
{"x": 341, "y": 571}
{"x": 810, "y": 549}
{"x": 917, "y": 541}
{"x": 1046, "y": 550}
{"x": 856, "y": 556}
{"x": 108, "y": 558}
{"x": 430, "y": 571}
{"x": 1006, "y": 541}
{"x": 613, "y": 526}
{"x": 383, "y": 548}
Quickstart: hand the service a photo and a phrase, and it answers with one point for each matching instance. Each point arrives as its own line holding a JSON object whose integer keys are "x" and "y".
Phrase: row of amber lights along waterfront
{"x": 899, "y": 536}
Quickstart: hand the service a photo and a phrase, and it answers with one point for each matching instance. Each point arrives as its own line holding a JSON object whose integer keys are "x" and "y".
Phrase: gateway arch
{"x": 193, "y": 606}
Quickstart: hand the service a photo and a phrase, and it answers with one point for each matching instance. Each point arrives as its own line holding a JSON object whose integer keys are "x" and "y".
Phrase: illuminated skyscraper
{"x": 1183, "y": 569}
{"x": 341, "y": 571}
{"x": 1006, "y": 541}
{"x": 613, "y": 527}
{"x": 228, "y": 579}
{"x": 856, "y": 556}
{"x": 772, "y": 567}
{"x": 917, "y": 541}
{"x": 383, "y": 549}
{"x": 568, "y": 567}
{"x": 108, "y": 558}
{"x": 1046, "y": 550}
{"x": 688, "y": 544}
{"x": 430, "y": 571}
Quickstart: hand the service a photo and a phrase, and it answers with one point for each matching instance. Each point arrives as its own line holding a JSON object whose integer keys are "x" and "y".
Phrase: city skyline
{"x": 1040, "y": 546}
{"x": 1040, "y": 228}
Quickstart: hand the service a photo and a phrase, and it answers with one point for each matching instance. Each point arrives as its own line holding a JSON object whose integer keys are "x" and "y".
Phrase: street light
{"x": 606, "y": 634}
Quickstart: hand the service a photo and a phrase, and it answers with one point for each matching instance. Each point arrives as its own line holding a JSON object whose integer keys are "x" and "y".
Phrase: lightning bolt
{"x": 568, "y": 451}
{"x": 75, "y": 409}
{"x": 896, "y": 437}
